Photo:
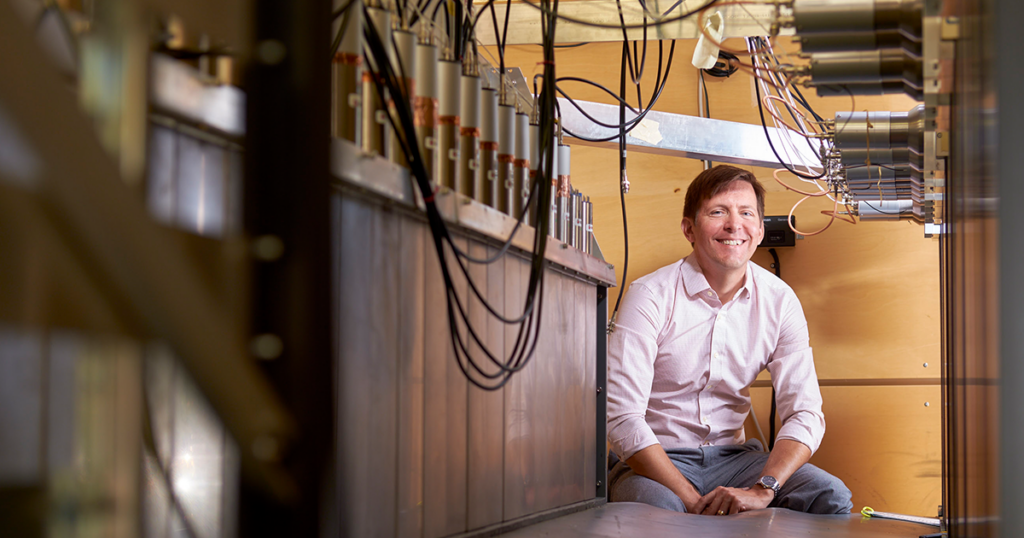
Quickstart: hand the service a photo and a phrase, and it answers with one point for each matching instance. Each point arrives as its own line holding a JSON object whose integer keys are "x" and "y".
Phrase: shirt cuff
{"x": 795, "y": 431}
{"x": 629, "y": 437}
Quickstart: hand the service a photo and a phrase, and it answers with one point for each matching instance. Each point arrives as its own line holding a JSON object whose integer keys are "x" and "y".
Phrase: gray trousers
{"x": 735, "y": 466}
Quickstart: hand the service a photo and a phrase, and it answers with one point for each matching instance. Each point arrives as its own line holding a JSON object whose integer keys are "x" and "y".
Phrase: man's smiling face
{"x": 727, "y": 229}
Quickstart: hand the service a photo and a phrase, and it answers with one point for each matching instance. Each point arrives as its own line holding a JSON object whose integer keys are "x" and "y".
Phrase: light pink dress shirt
{"x": 680, "y": 363}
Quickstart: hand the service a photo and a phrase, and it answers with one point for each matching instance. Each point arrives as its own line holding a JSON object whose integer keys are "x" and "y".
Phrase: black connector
{"x": 777, "y": 233}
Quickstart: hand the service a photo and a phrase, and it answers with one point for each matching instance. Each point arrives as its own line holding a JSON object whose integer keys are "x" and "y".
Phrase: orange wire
{"x": 788, "y": 106}
{"x": 775, "y": 174}
{"x": 780, "y": 120}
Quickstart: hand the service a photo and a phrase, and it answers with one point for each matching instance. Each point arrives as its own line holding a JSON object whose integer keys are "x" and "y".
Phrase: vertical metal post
{"x": 287, "y": 209}
{"x": 602, "y": 391}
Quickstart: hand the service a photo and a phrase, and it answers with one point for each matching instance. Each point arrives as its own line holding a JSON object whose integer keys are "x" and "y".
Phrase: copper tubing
{"x": 469, "y": 139}
{"x": 506, "y": 158}
{"x": 425, "y": 106}
{"x": 489, "y": 147}
{"x": 346, "y": 77}
{"x": 375, "y": 124}
{"x": 449, "y": 92}
{"x": 405, "y": 67}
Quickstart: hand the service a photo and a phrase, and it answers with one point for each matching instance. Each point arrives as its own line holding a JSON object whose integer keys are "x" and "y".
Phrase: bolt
{"x": 271, "y": 51}
{"x": 926, "y": 365}
{"x": 268, "y": 248}
{"x": 599, "y": 390}
{"x": 266, "y": 346}
{"x": 926, "y": 404}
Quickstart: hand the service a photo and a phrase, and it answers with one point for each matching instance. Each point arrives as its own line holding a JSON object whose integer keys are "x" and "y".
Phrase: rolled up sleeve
{"x": 632, "y": 349}
{"x": 795, "y": 380}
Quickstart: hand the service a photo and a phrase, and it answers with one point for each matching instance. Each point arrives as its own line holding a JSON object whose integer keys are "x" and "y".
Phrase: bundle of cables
{"x": 495, "y": 372}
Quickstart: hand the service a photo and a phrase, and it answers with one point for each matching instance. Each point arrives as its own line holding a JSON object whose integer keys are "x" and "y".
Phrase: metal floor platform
{"x": 632, "y": 519}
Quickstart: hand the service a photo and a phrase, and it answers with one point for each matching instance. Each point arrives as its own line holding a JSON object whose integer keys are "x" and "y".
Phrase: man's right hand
{"x": 652, "y": 462}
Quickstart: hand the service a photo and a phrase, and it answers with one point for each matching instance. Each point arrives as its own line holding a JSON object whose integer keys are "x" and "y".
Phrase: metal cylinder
{"x": 870, "y": 88}
{"x": 887, "y": 156}
{"x": 884, "y": 209}
{"x": 555, "y": 210}
{"x": 862, "y": 130}
{"x": 536, "y": 180}
{"x": 449, "y": 92}
{"x": 346, "y": 75}
{"x": 425, "y": 105}
{"x": 469, "y": 138}
{"x": 521, "y": 166}
{"x": 564, "y": 190}
{"x": 829, "y": 16}
{"x": 576, "y": 214}
{"x": 405, "y": 69}
{"x": 376, "y": 126}
{"x": 588, "y": 226}
{"x": 489, "y": 147}
{"x": 859, "y": 41}
{"x": 865, "y": 67}
{"x": 506, "y": 158}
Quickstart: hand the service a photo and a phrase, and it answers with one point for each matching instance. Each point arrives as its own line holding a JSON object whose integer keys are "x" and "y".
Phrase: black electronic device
{"x": 777, "y": 232}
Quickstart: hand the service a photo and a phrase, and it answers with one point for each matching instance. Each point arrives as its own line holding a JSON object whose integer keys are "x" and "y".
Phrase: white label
{"x": 508, "y": 183}
{"x": 381, "y": 117}
{"x": 430, "y": 142}
{"x": 474, "y": 164}
{"x": 354, "y": 100}
{"x": 453, "y": 154}
{"x": 590, "y": 227}
{"x": 492, "y": 175}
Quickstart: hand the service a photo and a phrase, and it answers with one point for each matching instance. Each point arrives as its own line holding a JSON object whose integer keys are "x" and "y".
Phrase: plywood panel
{"x": 883, "y": 442}
{"x": 410, "y": 379}
{"x": 486, "y": 408}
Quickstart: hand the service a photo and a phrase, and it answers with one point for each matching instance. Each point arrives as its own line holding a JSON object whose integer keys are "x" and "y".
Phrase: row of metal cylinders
{"x": 473, "y": 139}
{"x": 861, "y": 47}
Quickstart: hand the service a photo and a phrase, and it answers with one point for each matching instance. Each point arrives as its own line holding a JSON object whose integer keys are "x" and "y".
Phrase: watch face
{"x": 769, "y": 482}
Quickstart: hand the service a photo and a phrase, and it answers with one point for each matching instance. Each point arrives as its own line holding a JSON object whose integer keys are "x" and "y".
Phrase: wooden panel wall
{"x": 422, "y": 452}
{"x": 870, "y": 291}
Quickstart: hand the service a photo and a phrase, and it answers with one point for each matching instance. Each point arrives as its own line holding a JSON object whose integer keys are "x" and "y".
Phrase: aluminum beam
{"x": 525, "y": 27}
{"x": 689, "y": 136}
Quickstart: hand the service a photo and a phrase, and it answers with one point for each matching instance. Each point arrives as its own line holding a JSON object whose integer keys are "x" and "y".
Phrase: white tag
{"x": 474, "y": 164}
{"x": 453, "y": 154}
{"x": 492, "y": 175}
{"x": 354, "y": 100}
{"x": 382, "y": 117}
{"x": 430, "y": 142}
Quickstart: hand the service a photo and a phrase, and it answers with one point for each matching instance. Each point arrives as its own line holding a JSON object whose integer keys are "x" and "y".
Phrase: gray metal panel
{"x": 546, "y": 416}
{"x": 516, "y": 432}
{"x": 444, "y": 482}
{"x": 576, "y": 392}
{"x": 687, "y": 136}
{"x": 590, "y": 418}
{"x": 21, "y": 426}
{"x": 486, "y": 408}
{"x": 196, "y": 464}
{"x": 410, "y": 379}
{"x": 190, "y": 184}
{"x": 355, "y": 369}
{"x": 60, "y": 424}
{"x": 383, "y": 369}
{"x": 162, "y": 163}
{"x": 215, "y": 176}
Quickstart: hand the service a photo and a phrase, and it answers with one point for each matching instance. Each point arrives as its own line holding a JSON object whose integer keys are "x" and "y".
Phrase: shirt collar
{"x": 694, "y": 282}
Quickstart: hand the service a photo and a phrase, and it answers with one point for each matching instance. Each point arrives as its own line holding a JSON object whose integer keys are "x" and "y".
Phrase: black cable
{"x": 596, "y": 85}
{"x": 623, "y": 26}
{"x": 632, "y": 123}
{"x": 771, "y": 414}
{"x": 707, "y": 107}
{"x": 622, "y": 177}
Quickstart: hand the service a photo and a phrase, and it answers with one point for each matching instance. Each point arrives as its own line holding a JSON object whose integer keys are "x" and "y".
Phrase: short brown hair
{"x": 712, "y": 181}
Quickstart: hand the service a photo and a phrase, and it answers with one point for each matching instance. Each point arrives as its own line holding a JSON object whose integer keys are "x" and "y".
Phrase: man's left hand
{"x": 722, "y": 500}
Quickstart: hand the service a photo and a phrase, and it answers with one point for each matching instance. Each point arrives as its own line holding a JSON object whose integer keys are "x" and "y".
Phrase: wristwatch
{"x": 769, "y": 482}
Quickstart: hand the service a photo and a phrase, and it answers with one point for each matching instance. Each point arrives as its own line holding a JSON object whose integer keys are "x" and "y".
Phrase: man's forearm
{"x": 786, "y": 457}
{"x": 652, "y": 462}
